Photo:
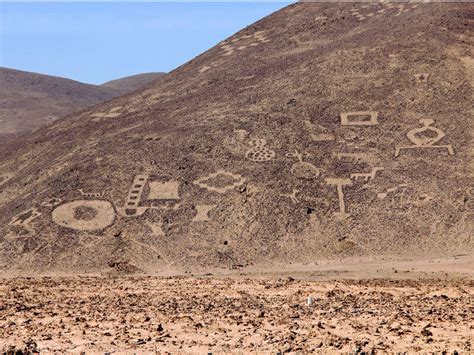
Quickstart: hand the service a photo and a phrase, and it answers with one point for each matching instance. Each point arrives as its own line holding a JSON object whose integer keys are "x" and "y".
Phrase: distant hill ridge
{"x": 31, "y": 100}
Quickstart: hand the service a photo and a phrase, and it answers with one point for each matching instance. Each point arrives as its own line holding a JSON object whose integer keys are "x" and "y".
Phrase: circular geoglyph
{"x": 85, "y": 215}
{"x": 305, "y": 170}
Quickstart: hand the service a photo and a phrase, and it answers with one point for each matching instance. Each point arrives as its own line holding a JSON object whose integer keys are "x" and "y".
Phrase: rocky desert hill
{"x": 326, "y": 130}
{"x": 132, "y": 83}
{"x": 30, "y": 100}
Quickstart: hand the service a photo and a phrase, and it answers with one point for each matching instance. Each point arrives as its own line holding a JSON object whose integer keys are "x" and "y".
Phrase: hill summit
{"x": 132, "y": 83}
{"x": 324, "y": 130}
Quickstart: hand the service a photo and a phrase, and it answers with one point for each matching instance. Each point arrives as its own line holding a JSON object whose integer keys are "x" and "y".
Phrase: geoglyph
{"x": 422, "y": 139}
{"x": 89, "y": 215}
{"x": 25, "y": 218}
{"x": 370, "y": 10}
{"x": 340, "y": 182}
{"x": 422, "y": 77}
{"x": 359, "y": 118}
{"x": 292, "y": 196}
{"x": 258, "y": 152}
{"x": 366, "y": 176}
{"x": 206, "y": 182}
{"x": 202, "y": 214}
{"x": 229, "y": 47}
{"x": 302, "y": 169}
{"x": 163, "y": 190}
{"x": 85, "y": 215}
{"x": 111, "y": 113}
{"x": 4, "y": 178}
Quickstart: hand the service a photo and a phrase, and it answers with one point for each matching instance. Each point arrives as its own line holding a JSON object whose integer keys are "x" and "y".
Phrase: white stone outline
{"x": 419, "y": 144}
{"x": 63, "y": 215}
{"x": 372, "y": 121}
{"x": 340, "y": 182}
{"x": 200, "y": 182}
{"x": 202, "y": 214}
{"x": 367, "y": 176}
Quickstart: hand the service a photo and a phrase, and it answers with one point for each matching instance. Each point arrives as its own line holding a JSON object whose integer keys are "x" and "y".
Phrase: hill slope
{"x": 31, "y": 100}
{"x": 133, "y": 82}
{"x": 321, "y": 131}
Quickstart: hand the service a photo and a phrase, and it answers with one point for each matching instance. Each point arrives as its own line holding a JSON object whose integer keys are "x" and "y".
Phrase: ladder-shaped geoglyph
{"x": 367, "y": 176}
{"x": 146, "y": 193}
{"x": 97, "y": 213}
{"x": 157, "y": 191}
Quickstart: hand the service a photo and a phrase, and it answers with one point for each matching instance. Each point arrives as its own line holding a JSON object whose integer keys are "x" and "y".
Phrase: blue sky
{"x": 97, "y": 42}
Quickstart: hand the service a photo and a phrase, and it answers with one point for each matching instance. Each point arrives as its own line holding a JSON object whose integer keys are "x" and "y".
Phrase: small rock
{"x": 395, "y": 326}
{"x": 426, "y": 332}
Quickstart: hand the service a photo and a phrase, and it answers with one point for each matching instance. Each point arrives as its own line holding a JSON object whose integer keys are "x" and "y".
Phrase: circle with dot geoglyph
{"x": 85, "y": 215}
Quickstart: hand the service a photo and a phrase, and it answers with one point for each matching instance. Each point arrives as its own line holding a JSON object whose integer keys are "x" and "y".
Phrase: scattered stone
{"x": 426, "y": 332}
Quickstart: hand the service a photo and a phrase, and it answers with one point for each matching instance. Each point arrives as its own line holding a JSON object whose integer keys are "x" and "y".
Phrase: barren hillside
{"x": 323, "y": 131}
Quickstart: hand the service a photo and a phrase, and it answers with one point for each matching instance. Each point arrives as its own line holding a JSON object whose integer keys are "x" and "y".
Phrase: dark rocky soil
{"x": 211, "y": 315}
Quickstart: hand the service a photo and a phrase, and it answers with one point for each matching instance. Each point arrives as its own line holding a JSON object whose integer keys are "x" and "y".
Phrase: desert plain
{"x": 358, "y": 306}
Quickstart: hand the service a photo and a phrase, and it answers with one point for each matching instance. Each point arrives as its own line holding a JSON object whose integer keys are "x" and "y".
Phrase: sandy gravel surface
{"x": 231, "y": 314}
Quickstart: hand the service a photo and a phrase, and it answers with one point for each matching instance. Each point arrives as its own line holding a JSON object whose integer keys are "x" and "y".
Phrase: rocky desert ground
{"x": 412, "y": 306}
